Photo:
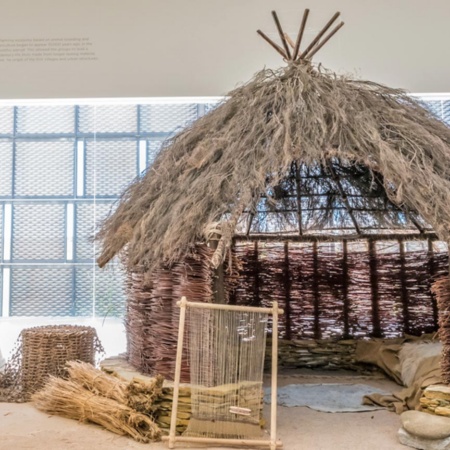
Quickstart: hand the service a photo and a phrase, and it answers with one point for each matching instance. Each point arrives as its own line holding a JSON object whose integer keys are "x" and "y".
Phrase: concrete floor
{"x": 23, "y": 427}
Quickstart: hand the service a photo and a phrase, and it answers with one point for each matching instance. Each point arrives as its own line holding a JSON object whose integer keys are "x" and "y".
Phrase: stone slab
{"x": 427, "y": 426}
{"x": 410, "y": 440}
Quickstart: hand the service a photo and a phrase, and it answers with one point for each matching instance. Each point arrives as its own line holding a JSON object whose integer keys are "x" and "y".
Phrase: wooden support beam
{"x": 250, "y": 221}
{"x": 287, "y": 291}
{"x": 431, "y": 272}
{"x": 330, "y": 237}
{"x": 414, "y": 221}
{"x": 319, "y": 36}
{"x": 374, "y": 287}
{"x": 299, "y": 197}
{"x": 335, "y": 177}
{"x": 324, "y": 41}
{"x": 218, "y": 276}
{"x": 300, "y": 34}
{"x": 272, "y": 44}
{"x": 404, "y": 295}
{"x": 379, "y": 180}
{"x": 316, "y": 293}
{"x": 289, "y": 40}
{"x": 281, "y": 33}
{"x": 346, "y": 280}
{"x": 256, "y": 285}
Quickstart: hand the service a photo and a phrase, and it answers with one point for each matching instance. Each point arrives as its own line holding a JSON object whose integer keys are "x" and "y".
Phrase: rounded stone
{"x": 426, "y": 425}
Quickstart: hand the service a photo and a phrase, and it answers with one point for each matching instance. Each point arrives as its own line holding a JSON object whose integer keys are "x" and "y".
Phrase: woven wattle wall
{"x": 341, "y": 294}
{"x": 442, "y": 290}
{"x": 328, "y": 291}
{"x": 152, "y": 315}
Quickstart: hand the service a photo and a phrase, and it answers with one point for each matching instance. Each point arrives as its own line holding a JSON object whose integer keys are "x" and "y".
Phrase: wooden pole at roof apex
{"x": 319, "y": 35}
{"x": 300, "y": 34}
{"x": 281, "y": 33}
{"x": 315, "y": 45}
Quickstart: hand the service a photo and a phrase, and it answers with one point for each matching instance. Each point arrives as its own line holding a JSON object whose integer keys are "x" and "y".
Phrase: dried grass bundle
{"x": 142, "y": 395}
{"x": 69, "y": 399}
{"x": 219, "y": 167}
{"x": 139, "y": 395}
{"x": 97, "y": 381}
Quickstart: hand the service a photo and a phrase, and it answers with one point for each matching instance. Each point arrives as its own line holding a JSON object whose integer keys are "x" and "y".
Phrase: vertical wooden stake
{"x": 218, "y": 275}
{"x": 404, "y": 289}
{"x": 316, "y": 292}
{"x": 287, "y": 291}
{"x": 431, "y": 275}
{"x": 345, "y": 284}
{"x": 374, "y": 286}
{"x": 176, "y": 383}
{"x": 256, "y": 299}
{"x": 273, "y": 400}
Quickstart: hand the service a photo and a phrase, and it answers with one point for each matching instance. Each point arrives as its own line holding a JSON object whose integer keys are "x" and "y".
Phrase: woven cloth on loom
{"x": 226, "y": 356}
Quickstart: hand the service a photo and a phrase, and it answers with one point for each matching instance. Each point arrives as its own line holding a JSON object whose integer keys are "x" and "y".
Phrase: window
{"x": 62, "y": 167}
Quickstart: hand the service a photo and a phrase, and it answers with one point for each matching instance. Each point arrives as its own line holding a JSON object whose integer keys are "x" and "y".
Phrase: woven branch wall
{"x": 152, "y": 314}
{"x": 442, "y": 290}
{"x": 328, "y": 291}
{"x": 342, "y": 290}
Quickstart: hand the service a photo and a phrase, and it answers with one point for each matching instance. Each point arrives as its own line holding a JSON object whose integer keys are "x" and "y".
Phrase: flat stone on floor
{"x": 427, "y": 426}
{"x": 410, "y": 440}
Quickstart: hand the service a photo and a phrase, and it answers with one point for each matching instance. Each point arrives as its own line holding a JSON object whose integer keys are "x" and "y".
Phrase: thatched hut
{"x": 328, "y": 194}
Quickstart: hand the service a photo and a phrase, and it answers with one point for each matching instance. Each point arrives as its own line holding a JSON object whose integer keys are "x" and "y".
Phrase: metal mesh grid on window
{"x": 106, "y": 285}
{"x": 108, "y": 119}
{"x": 160, "y": 118}
{"x": 210, "y": 106}
{"x": 1, "y": 235}
{"x": 6, "y": 119}
{"x": 153, "y": 149}
{"x": 41, "y": 291}
{"x": 44, "y": 168}
{"x": 6, "y": 164}
{"x": 84, "y": 291}
{"x": 88, "y": 216}
{"x": 435, "y": 107}
{"x": 38, "y": 232}
{"x": 446, "y": 111}
{"x": 51, "y": 119}
{"x": 110, "y": 166}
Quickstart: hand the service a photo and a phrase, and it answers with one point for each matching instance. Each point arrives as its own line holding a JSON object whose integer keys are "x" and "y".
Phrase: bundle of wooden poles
{"x": 90, "y": 395}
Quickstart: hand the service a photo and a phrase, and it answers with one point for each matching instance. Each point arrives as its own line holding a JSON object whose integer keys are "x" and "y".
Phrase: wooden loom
{"x": 273, "y": 443}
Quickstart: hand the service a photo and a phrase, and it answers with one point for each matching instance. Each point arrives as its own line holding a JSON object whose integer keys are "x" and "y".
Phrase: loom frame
{"x": 273, "y": 443}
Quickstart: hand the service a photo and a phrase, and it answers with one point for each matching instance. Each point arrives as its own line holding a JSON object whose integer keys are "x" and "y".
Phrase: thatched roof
{"x": 297, "y": 140}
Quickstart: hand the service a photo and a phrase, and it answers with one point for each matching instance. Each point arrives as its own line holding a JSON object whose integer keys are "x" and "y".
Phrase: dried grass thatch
{"x": 139, "y": 395}
{"x": 280, "y": 122}
{"x": 69, "y": 399}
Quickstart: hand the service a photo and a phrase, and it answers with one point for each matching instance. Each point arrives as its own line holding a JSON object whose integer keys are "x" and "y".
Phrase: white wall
{"x": 206, "y": 47}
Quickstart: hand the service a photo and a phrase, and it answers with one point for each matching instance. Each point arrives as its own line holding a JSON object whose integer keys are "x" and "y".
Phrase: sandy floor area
{"x": 23, "y": 427}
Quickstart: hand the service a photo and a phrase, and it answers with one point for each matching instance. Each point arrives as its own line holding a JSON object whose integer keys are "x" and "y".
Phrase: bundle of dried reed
{"x": 97, "y": 381}
{"x": 141, "y": 395}
{"x": 138, "y": 394}
{"x": 69, "y": 399}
